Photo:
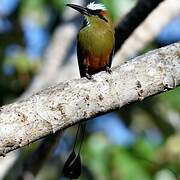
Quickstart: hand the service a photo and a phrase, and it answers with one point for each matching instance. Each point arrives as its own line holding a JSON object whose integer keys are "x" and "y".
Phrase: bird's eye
{"x": 102, "y": 15}
{"x": 103, "y": 18}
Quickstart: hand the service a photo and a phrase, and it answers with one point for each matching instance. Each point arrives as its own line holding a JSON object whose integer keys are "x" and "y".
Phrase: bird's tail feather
{"x": 72, "y": 166}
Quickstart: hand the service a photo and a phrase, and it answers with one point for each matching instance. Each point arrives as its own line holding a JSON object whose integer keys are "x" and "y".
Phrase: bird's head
{"x": 93, "y": 13}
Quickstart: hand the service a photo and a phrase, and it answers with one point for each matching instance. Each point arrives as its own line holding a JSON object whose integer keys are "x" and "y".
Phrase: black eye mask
{"x": 103, "y": 18}
{"x": 98, "y": 13}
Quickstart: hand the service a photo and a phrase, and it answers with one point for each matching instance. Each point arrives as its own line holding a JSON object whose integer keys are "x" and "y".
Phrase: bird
{"x": 95, "y": 49}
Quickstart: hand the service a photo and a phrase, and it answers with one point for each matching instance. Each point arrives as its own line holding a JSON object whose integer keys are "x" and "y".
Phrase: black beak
{"x": 81, "y": 9}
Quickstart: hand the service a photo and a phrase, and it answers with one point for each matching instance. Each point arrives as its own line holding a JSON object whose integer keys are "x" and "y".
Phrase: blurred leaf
{"x": 60, "y": 5}
{"x": 108, "y": 161}
{"x": 172, "y": 98}
{"x": 126, "y": 167}
{"x": 144, "y": 149}
{"x": 118, "y": 8}
{"x": 95, "y": 155}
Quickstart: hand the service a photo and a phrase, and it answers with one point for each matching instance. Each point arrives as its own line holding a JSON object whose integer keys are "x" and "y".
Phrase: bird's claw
{"x": 88, "y": 76}
{"x": 108, "y": 69}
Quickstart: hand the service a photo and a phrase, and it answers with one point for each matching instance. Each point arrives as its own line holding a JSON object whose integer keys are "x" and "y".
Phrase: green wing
{"x": 80, "y": 56}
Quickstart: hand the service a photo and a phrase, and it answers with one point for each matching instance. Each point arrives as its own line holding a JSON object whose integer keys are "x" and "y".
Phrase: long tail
{"x": 72, "y": 166}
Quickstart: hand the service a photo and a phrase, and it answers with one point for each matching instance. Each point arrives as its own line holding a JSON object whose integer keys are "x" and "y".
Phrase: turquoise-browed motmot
{"x": 95, "y": 45}
{"x": 95, "y": 40}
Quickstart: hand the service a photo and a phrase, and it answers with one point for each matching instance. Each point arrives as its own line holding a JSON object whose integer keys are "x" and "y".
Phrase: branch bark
{"x": 71, "y": 102}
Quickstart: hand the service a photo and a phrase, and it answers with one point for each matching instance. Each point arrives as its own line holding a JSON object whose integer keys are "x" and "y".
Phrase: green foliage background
{"x": 146, "y": 158}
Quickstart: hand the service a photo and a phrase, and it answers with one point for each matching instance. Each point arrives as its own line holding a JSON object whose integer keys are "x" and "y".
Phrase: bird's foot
{"x": 108, "y": 70}
{"x": 88, "y": 76}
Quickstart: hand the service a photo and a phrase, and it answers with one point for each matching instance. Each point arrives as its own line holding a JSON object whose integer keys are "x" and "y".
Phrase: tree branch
{"x": 147, "y": 30}
{"x": 133, "y": 19}
{"x": 70, "y": 102}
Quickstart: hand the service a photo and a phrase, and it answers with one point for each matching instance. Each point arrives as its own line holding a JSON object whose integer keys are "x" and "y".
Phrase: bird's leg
{"x": 108, "y": 69}
{"x": 88, "y": 76}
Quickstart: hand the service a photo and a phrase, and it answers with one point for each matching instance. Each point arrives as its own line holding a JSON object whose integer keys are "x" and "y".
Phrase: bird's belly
{"x": 96, "y": 48}
{"x": 97, "y": 53}
{"x": 96, "y": 63}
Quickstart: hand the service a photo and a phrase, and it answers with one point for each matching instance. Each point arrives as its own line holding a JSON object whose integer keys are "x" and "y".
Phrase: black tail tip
{"x": 72, "y": 166}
